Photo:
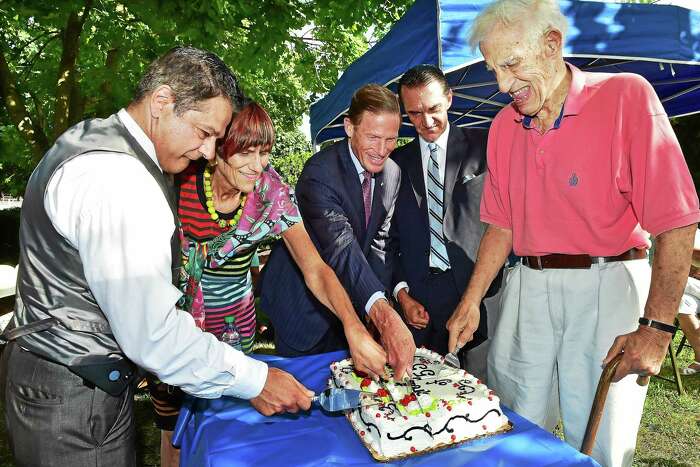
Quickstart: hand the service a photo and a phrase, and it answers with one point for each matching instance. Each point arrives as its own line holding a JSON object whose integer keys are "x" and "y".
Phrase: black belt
{"x": 560, "y": 261}
{"x": 436, "y": 271}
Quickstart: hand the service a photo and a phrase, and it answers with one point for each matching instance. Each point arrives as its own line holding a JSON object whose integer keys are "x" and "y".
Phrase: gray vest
{"x": 56, "y": 315}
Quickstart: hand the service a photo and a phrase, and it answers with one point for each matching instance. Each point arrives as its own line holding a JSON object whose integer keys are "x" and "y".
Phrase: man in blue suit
{"x": 436, "y": 222}
{"x": 346, "y": 195}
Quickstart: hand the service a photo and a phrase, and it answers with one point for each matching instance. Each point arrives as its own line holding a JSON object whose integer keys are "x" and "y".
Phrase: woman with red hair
{"x": 226, "y": 210}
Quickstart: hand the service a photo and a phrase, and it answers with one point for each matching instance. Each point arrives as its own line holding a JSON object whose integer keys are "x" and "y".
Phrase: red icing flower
{"x": 449, "y": 407}
{"x": 405, "y": 417}
{"x": 365, "y": 382}
{"x": 362, "y": 433}
{"x": 406, "y": 400}
{"x": 378, "y": 415}
{"x": 469, "y": 402}
{"x": 427, "y": 414}
{"x": 455, "y": 385}
{"x": 381, "y": 392}
{"x": 453, "y": 437}
{"x": 483, "y": 426}
{"x": 413, "y": 449}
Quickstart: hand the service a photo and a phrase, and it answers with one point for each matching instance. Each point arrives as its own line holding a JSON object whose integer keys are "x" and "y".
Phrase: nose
{"x": 427, "y": 120}
{"x": 257, "y": 164}
{"x": 208, "y": 148}
{"x": 383, "y": 148}
{"x": 505, "y": 80}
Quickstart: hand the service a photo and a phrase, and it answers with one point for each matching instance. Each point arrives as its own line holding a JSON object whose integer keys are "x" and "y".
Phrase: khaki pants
{"x": 555, "y": 328}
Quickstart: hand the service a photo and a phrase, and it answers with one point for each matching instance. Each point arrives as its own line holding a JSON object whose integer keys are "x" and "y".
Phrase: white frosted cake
{"x": 441, "y": 406}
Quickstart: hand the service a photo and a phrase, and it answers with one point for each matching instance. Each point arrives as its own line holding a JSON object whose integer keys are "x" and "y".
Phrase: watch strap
{"x": 669, "y": 328}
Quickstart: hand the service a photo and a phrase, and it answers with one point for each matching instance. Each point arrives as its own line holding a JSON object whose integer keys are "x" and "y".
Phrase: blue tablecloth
{"x": 229, "y": 432}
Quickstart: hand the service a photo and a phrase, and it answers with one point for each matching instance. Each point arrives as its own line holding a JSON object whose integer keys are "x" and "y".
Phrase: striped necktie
{"x": 438, "y": 251}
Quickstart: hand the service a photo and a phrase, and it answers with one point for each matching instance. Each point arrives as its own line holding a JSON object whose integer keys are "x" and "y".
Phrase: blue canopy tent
{"x": 660, "y": 42}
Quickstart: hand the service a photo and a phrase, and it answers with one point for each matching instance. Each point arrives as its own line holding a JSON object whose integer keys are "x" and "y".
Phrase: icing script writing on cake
{"x": 440, "y": 406}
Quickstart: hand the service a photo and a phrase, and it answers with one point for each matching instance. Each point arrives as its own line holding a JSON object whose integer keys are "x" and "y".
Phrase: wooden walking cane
{"x": 599, "y": 402}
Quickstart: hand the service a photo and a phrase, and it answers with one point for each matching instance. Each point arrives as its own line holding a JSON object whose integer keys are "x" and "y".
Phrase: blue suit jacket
{"x": 465, "y": 168}
{"x": 330, "y": 199}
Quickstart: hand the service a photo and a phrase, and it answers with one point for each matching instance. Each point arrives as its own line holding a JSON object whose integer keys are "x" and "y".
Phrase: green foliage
{"x": 290, "y": 152}
{"x": 285, "y": 52}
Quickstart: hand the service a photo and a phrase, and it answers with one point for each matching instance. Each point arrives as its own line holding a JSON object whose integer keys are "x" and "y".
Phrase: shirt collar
{"x": 575, "y": 99}
{"x": 138, "y": 134}
{"x": 355, "y": 160}
{"x": 441, "y": 141}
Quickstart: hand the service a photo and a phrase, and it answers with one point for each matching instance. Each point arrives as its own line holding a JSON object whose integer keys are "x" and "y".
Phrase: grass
{"x": 668, "y": 436}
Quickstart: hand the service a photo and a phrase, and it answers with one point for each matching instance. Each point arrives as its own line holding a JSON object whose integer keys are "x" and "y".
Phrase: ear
{"x": 162, "y": 97}
{"x": 553, "y": 42}
{"x": 349, "y": 127}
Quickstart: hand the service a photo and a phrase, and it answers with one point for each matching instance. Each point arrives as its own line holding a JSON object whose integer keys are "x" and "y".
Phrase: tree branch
{"x": 28, "y": 65}
{"x": 27, "y": 126}
{"x": 65, "y": 85}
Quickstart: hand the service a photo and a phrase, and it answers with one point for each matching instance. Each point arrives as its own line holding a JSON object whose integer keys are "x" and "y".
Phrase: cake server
{"x": 337, "y": 399}
{"x": 451, "y": 359}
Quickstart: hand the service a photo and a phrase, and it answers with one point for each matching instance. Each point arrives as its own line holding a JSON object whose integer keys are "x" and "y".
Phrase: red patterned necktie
{"x": 367, "y": 194}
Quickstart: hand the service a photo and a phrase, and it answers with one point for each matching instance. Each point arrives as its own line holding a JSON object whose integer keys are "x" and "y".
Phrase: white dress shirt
{"x": 114, "y": 213}
{"x": 379, "y": 294}
{"x": 441, "y": 143}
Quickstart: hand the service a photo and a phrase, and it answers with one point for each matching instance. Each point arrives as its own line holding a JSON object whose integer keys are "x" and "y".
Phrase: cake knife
{"x": 338, "y": 399}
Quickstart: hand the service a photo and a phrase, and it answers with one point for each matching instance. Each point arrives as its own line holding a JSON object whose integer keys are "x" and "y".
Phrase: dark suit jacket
{"x": 330, "y": 199}
{"x": 465, "y": 168}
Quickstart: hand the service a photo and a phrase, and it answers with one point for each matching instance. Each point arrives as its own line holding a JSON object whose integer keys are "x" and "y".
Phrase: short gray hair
{"x": 194, "y": 75}
{"x": 540, "y": 15}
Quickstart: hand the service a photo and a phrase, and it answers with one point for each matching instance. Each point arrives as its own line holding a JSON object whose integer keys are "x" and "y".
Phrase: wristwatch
{"x": 669, "y": 328}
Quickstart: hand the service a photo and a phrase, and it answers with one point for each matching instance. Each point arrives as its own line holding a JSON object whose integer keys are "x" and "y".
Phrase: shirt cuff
{"x": 397, "y": 289}
{"x": 375, "y": 296}
{"x": 249, "y": 374}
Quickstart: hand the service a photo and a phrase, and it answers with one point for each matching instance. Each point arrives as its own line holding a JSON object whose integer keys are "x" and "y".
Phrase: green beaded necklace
{"x": 223, "y": 223}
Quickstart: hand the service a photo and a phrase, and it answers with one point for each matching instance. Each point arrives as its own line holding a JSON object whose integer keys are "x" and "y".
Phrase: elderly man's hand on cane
{"x": 643, "y": 353}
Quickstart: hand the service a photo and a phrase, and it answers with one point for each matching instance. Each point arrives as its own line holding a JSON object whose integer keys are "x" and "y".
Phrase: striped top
{"x": 225, "y": 283}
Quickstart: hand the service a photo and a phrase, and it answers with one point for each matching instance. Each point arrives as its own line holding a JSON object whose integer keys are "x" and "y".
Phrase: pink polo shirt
{"x": 611, "y": 172}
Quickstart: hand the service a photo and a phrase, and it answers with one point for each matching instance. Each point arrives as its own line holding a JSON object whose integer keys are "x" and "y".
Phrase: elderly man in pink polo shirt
{"x": 582, "y": 167}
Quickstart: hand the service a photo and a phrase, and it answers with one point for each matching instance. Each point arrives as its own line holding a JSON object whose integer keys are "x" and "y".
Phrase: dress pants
{"x": 332, "y": 340}
{"x": 555, "y": 328}
{"x": 441, "y": 301}
{"x": 54, "y": 419}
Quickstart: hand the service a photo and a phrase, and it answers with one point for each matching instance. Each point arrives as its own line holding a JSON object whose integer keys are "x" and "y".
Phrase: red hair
{"x": 251, "y": 126}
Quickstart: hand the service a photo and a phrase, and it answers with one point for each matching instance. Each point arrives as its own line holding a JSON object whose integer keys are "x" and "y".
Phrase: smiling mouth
{"x": 250, "y": 176}
{"x": 376, "y": 159}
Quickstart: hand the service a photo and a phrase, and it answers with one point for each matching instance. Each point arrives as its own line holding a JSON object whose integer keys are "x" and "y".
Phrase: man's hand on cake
{"x": 395, "y": 336}
{"x": 414, "y": 313}
{"x": 462, "y": 324}
{"x": 367, "y": 355}
{"x": 282, "y": 393}
{"x": 644, "y": 352}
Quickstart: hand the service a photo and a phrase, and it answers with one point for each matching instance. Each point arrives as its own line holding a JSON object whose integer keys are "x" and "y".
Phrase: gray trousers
{"x": 54, "y": 419}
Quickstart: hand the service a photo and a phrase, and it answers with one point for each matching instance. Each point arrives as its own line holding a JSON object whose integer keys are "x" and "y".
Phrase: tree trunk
{"x": 28, "y": 127}
{"x": 106, "y": 104}
{"x": 66, "y": 81}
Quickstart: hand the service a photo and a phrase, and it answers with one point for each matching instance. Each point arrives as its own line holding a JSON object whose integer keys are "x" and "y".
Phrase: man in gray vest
{"x": 98, "y": 255}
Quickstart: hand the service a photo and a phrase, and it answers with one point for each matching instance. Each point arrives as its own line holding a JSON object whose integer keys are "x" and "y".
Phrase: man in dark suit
{"x": 346, "y": 195}
{"x": 436, "y": 222}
